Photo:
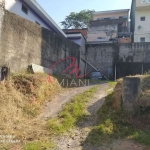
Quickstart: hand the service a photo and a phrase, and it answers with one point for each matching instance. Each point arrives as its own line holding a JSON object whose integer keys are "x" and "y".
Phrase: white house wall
{"x": 15, "y": 6}
{"x": 142, "y": 28}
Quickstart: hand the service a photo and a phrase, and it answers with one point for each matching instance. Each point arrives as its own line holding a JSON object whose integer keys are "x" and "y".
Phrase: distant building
{"x": 110, "y": 26}
{"x": 140, "y": 20}
{"x": 78, "y": 38}
{"x": 83, "y": 31}
{"x": 31, "y": 10}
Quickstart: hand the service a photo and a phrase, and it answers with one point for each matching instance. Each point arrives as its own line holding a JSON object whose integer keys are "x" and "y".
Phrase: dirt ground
{"x": 52, "y": 108}
{"x": 74, "y": 139}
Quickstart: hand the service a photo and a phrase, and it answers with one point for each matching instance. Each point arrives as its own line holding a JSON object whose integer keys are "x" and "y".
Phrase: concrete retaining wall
{"x": 24, "y": 42}
{"x": 106, "y": 56}
{"x": 136, "y": 52}
{"x": 102, "y": 57}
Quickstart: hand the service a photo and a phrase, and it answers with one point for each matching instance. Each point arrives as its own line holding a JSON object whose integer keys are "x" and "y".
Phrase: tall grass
{"x": 21, "y": 99}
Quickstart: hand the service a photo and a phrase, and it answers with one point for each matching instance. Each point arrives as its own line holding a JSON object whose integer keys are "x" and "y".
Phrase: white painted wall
{"x": 15, "y": 6}
{"x": 142, "y": 28}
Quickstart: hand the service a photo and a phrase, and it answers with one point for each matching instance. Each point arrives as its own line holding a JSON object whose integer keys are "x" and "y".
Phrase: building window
{"x": 24, "y": 8}
{"x": 106, "y": 18}
{"x": 145, "y": 1}
{"x": 100, "y": 18}
{"x": 122, "y": 17}
{"x": 142, "y": 39}
{"x": 112, "y": 17}
{"x": 37, "y": 23}
{"x": 101, "y": 38}
{"x": 142, "y": 18}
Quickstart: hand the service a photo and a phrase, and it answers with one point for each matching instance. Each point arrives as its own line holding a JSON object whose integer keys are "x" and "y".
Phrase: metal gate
{"x": 127, "y": 69}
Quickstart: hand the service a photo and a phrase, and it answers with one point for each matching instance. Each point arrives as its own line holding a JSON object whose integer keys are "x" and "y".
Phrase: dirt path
{"x": 51, "y": 109}
{"x": 79, "y": 134}
{"x": 74, "y": 140}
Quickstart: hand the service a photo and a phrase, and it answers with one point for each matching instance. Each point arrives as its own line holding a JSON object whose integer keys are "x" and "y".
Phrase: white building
{"x": 140, "y": 20}
{"x": 31, "y": 10}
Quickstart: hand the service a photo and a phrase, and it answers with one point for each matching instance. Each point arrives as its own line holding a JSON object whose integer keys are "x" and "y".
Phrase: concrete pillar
{"x": 130, "y": 94}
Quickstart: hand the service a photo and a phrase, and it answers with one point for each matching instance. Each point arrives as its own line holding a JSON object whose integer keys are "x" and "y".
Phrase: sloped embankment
{"x": 143, "y": 99}
{"x": 21, "y": 98}
{"x": 117, "y": 124}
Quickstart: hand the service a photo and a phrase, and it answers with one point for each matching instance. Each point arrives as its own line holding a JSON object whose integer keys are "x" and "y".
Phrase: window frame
{"x": 142, "y": 39}
{"x": 142, "y": 18}
{"x": 37, "y": 23}
{"x": 107, "y": 18}
{"x": 101, "y": 38}
{"x": 24, "y": 8}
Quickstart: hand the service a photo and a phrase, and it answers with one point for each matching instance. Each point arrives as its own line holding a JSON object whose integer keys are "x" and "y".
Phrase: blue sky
{"x": 59, "y": 9}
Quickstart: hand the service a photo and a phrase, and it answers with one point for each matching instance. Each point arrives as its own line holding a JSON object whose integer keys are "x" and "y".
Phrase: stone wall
{"x": 106, "y": 56}
{"x": 102, "y": 57}
{"x": 133, "y": 59}
{"x": 135, "y": 52}
{"x": 24, "y": 42}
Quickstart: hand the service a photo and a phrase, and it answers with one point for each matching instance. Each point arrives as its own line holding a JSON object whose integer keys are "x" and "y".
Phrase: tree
{"x": 78, "y": 20}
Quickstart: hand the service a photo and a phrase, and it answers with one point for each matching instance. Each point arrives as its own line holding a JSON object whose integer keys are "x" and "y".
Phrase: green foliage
{"x": 115, "y": 124}
{"x": 145, "y": 93}
{"x": 78, "y": 20}
{"x": 71, "y": 114}
{"x": 145, "y": 83}
{"x": 142, "y": 137}
{"x": 38, "y": 146}
{"x": 112, "y": 124}
{"x": 112, "y": 83}
{"x": 147, "y": 72}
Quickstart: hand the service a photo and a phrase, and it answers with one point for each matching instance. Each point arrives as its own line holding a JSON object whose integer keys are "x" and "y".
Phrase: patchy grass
{"x": 112, "y": 83}
{"x": 142, "y": 137}
{"x": 114, "y": 123}
{"x": 38, "y": 146}
{"x": 71, "y": 114}
{"x": 117, "y": 95}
